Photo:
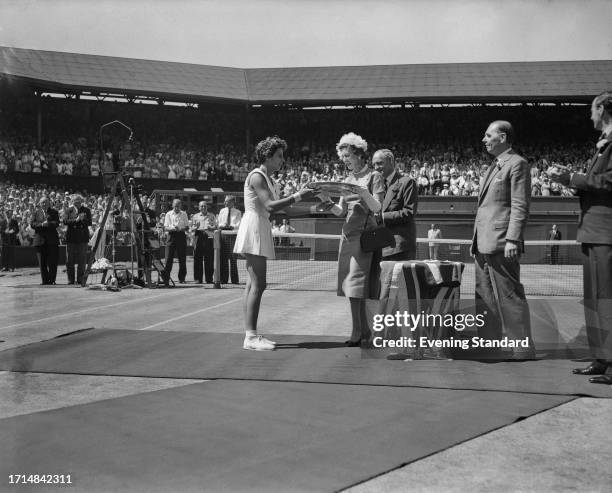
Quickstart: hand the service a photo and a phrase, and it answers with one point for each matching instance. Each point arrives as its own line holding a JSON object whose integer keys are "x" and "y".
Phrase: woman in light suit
{"x": 357, "y": 270}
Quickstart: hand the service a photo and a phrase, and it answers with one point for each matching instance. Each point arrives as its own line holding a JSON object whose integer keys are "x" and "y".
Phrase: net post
{"x": 217, "y": 258}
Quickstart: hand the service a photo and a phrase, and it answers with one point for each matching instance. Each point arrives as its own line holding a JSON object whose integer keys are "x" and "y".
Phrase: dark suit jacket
{"x": 503, "y": 204}
{"x": 595, "y": 191}
{"x": 556, "y": 235}
{"x": 47, "y": 235}
{"x": 78, "y": 231}
{"x": 398, "y": 210}
{"x": 9, "y": 238}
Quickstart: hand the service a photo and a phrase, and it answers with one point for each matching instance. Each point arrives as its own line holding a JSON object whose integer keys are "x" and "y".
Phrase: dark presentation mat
{"x": 298, "y": 358}
{"x": 251, "y": 435}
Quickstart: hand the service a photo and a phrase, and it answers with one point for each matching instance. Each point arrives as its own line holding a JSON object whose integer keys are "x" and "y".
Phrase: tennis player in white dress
{"x": 254, "y": 239}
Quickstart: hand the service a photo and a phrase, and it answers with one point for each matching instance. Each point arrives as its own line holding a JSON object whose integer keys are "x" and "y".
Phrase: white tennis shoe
{"x": 258, "y": 343}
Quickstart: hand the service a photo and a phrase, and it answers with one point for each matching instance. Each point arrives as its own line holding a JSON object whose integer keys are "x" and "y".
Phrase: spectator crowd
{"x": 454, "y": 171}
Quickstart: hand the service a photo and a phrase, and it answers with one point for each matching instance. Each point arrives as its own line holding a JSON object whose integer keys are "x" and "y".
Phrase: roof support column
{"x": 247, "y": 128}
{"x": 39, "y": 103}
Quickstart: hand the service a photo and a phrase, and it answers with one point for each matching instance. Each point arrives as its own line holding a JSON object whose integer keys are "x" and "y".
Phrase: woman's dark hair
{"x": 267, "y": 147}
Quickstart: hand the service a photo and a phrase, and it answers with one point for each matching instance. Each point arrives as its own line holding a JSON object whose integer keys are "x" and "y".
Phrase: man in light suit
{"x": 595, "y": 234}
{"x": 503, "y": 209}
{"x": 399, "y": 207}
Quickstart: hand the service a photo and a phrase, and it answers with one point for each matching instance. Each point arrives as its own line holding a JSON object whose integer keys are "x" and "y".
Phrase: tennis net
{"x": 309, "y": 262}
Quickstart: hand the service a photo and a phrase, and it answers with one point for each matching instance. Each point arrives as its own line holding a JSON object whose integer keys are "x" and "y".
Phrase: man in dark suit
{"x": 46, "y": 240}
{"x": 78, "y": 220}
{"x": 554, "y": 235}
{"x": 399, "y": 207}
{"x": 503, "y": 209}
{"x": 9, "y": 227}
{"x": 595, "y": 233}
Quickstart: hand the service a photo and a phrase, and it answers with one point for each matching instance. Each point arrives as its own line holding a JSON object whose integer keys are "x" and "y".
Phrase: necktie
{"x": 229, "y": 214}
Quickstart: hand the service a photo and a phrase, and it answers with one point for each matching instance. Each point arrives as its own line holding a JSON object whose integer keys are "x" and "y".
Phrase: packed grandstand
{"x": 436, "y": 143}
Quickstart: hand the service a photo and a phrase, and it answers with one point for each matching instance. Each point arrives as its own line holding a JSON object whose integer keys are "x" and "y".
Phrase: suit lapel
{"x": 390, "y": 191}
{"x": 598, "y": 153}
{"x": 601, "y": 148}
{"x": 494, "y": 169}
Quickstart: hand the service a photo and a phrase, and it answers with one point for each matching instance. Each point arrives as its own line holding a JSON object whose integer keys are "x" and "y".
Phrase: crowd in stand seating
{"x": 23, "y": 200}
{"x": 438, "y": 170}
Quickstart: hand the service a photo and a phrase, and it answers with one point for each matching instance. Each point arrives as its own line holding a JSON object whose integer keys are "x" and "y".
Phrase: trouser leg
{"x": 509, "y": 291}
{"x": 52, "y": 259}
{"x": 41, "y": 255}
{"x": 486, "y": 303}
{"x": 71, "y": 253}
{"x": 198, "y": 256}
{"x": 209, "y": 259}
{"x": 181, "y": 253}
{"x": 597, "y": 283}
{"x": 170, "y": 250}
{"x": 81, "y": 258}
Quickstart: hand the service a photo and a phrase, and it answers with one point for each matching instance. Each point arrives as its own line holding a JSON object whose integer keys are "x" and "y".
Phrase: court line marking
{"x": 90, "y": 309}
{"x": 186, "y": 315}
{"x": 164, "y": 322}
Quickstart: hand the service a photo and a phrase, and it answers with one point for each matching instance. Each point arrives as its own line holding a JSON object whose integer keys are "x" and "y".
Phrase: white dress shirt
{"x": 176, "y": 219}
{"x": 235, "y": 218}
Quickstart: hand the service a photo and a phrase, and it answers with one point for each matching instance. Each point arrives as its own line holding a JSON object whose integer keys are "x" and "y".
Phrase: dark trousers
{"x": 48, "y": 256}
{"x": 177, "y": 244}
{"x": 554, "y": 255}
{"x": 8, "y": 256}
{"x": 227, "y": 257}
{"x": 500, "y": 298}
{"x": 76, "y": 255}
{"x": 597, "y": 283}
{"x": 203, "y": 250}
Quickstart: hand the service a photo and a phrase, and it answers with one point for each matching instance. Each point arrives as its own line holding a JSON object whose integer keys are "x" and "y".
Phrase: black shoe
{"x": 607, "y": 379}
{"x": 350, "y": 343}
{"x": 595, "y": 368}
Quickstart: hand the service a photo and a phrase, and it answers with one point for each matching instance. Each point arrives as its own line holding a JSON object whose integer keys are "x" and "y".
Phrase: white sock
{"x": 250, "y": 333}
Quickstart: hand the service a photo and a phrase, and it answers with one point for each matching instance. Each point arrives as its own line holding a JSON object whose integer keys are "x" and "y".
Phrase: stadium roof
{"x": 570, "y": 81}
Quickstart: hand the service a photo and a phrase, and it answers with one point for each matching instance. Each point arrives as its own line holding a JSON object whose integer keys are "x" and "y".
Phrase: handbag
{"x": 377, "y": 238}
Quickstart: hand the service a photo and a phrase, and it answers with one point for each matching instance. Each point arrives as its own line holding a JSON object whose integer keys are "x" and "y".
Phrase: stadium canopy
{"x": 461, "y": 83}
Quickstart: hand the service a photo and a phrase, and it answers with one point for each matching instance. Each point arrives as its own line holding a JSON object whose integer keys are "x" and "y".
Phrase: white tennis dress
{"x": 255, "y": 231}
